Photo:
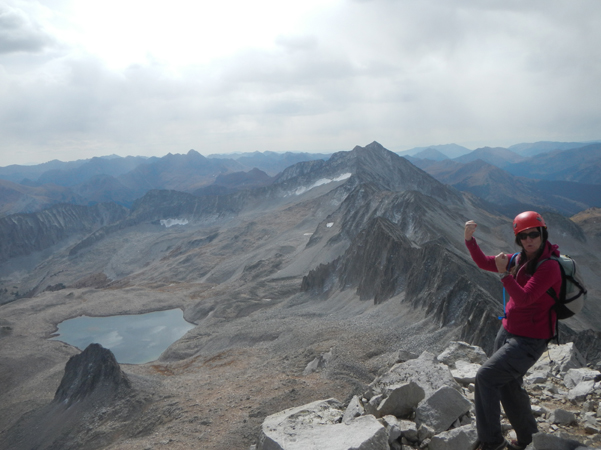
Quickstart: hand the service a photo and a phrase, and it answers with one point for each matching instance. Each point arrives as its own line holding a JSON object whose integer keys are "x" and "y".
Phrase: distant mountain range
{"x": 565, "y": 181}
{"x": 452, "y": 151}
{"x": 446, "y": 150}
{"x": 537, "y": 148}
{"x": 123, "y": 180}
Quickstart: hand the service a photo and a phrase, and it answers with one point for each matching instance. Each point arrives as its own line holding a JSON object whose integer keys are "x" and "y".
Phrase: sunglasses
{"x": 531, "y": 235}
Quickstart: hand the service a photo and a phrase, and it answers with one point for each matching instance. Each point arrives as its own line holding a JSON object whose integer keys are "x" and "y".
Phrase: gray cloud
{"x": 20, "y": 34}
{"x": 405, "y": 73}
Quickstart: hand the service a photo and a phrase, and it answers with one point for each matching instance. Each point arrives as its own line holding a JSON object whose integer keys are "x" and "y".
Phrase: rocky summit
{"x": 427, "y": 403}
{"x": 332, "y": 279}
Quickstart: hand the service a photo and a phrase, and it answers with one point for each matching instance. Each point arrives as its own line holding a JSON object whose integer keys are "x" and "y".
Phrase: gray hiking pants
{"x": 500, "y": 379}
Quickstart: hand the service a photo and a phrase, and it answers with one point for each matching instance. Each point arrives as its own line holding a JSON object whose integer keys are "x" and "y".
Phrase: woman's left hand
{"x": 501, "y": 260}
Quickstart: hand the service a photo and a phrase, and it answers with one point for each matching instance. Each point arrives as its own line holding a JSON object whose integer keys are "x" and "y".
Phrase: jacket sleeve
{"x": 547, "y": 275}
{"x": 482, "y": 261}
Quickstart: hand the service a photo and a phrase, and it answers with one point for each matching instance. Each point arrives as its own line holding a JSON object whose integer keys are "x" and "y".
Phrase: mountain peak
{"x": 431, "y": 154}
{"x": 375, "y": 145}
{"x": 375, "y": 164}
{"x": 194, "y": 154}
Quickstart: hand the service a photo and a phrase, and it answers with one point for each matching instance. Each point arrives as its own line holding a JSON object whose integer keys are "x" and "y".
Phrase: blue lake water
{"x": 133, "y": 339}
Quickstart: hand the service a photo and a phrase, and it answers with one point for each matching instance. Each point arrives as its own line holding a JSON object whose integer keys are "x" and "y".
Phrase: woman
{"x": 528, "y": 325}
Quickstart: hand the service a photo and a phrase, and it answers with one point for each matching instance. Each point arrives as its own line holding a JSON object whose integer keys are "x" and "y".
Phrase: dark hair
{"x": 530, "y": 265}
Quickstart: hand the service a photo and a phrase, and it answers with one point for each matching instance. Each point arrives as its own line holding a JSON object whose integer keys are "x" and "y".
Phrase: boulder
{"x": 440, "y": 410}
{"x": 401, "y": 401}
{"x": 424, "y": 432}
{"x": 462, "y": 351}
{"x": 462, "y": 438}
{"x": 559, "y": 359}
{"x": 405, "y": 355}
{"x": 590, "y": 423}
{"x": 465, "y": 372}
{"x": 319, "y": 363}
{"x": 562, "y": 417}
{"x": 539, "y": 411}
{"x": 544, "y": 441}
{"x": 408, "y": 430}
{"x": 425, "y": 371}
{"x": 371, "y": 407}
{"x": 575, "y": 376}
{"x": 537, "y": 377}
{"x": 581, "y": 391}
{"x": 393, "y": 427}
{"x": 354, "y": 409}
{"x": 317, "y": 426}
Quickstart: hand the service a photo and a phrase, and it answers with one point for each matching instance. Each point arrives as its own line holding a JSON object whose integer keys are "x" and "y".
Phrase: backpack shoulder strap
{"x": 551, "y": 291}
{"x": 546, "y": 259}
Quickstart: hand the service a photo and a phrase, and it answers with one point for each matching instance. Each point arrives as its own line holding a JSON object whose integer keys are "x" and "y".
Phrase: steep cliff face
{"x": 382, "y": 262}
{"x": 449, "y": 289}
{"x": 378, "y": 261}
{"x": 23, "y": 234}
{"x": 419, "y": 217}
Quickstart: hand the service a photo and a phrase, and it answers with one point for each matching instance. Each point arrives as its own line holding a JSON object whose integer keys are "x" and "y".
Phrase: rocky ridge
{"x": 24, "y": 234}
{"x": 426, "y": 402}
{"x": 382, "y": 262}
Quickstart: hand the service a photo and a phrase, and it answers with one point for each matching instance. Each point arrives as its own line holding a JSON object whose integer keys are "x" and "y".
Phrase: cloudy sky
{"x": 131, "y": 77}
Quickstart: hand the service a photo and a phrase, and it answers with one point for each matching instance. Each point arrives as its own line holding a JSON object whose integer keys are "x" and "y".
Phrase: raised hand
{"x": 470, "y": 228}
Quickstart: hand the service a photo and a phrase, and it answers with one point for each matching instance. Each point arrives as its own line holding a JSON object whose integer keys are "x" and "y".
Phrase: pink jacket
{"x": 527, "y": 311}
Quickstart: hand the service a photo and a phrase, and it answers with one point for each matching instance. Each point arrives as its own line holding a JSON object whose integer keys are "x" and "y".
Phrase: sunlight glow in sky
{"x": 182, "y": 32}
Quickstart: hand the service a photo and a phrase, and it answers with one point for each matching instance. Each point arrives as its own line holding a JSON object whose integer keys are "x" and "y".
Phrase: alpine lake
{"x": 133, "y": 339}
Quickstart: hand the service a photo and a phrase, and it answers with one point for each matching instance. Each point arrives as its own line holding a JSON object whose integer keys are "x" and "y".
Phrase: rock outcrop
{"x": 301, "y": 428}
{"x": 422, "y": 404}
{"x": 95, "y": 404}
{"x": 94, "y": 372}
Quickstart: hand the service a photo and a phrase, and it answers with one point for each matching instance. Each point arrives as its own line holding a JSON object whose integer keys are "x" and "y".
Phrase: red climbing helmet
{"x": 527, "y": 219}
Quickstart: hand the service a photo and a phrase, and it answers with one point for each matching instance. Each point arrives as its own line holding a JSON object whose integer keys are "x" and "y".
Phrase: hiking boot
{"x": 500, "y": 446}
{"x": 515, "y": 445}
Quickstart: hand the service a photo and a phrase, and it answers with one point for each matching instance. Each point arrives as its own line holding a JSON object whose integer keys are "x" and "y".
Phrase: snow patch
{"x": 330, "y": 224}
{"x": 321, "y": 182}
{"x": 171, "y": 222}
